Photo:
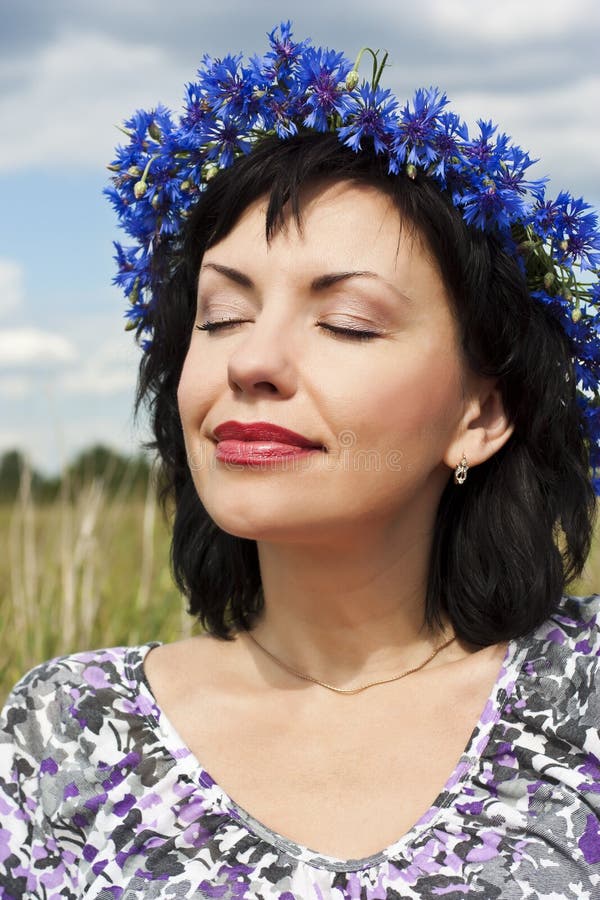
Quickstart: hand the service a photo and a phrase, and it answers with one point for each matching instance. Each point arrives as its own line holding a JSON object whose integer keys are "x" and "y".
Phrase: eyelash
{"x": 352, "y": 333}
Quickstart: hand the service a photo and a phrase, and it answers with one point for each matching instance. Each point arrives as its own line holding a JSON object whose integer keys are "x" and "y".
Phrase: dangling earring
{"x": 460, "y": 472}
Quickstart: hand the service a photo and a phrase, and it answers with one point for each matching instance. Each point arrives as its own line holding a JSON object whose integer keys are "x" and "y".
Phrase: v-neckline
{"x": 186, "y": 761}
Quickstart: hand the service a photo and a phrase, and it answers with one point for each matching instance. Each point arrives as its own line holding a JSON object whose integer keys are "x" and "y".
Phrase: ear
{"x": 483, "y": 428}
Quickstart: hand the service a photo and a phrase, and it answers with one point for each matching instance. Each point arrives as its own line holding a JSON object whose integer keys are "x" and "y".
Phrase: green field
{"x": 91, "y": 569}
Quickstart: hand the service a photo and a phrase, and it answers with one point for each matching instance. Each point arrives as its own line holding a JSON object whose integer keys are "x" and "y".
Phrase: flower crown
{"x": 166, "y": 164}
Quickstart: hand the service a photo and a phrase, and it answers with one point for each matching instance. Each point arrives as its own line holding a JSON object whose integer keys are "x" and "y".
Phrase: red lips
{"x": 261, "y": 431}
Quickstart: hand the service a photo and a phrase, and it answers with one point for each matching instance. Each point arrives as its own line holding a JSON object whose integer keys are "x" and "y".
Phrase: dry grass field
{"x": 91, "y": 569}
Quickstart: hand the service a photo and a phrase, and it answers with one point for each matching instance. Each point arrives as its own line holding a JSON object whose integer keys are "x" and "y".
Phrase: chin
{"x": 275, "y": 526}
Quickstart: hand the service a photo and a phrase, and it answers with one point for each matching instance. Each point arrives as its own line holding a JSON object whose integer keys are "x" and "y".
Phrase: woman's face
{"x": 386, "y": 410}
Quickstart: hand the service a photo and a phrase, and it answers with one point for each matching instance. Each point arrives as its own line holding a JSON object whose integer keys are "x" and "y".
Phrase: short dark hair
{"x": 508, "y": 541}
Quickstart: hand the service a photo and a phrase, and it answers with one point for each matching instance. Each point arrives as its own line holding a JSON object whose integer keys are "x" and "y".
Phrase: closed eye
{"x": 213, "y": 326}
{"x": 352, "y": 333}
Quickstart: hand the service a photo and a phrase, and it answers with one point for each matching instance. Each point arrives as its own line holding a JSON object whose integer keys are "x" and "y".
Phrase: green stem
{"x": 377, "y": 67}
{"x": 147, "y": 168}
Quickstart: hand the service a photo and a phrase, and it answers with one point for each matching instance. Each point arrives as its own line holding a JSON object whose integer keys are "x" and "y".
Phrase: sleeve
{"x": 29, "y": 867}
{"x": 17, "y": 802}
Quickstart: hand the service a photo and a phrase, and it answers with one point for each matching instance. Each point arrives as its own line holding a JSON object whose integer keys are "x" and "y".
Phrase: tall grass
{"x": 91, "y": 569}
{"x": 88, "y": 569}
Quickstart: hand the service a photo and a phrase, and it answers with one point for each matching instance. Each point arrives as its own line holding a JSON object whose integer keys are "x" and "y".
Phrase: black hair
{"x": 505, "y": 543}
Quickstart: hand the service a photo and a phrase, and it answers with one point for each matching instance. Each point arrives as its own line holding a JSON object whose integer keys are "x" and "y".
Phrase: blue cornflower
{"x": 558, "y": 306}
{"x": 278, "y": 110}
{"x": 418, "y": 127}
{"x": 583, "y": 334}
{"x": 499, "y": 193}
{"x": 226, "y": 86}
{"x": 136, "y": 311}
{"x": 511, "y": 173}
{"x": 586, "y": 375}
{"x": 132, "y": 268}
{"x": 484, "y": 151}
{"x": 146, "y": 130}
{"x": 488, "y": 206}
{"x": 447, "y": 145}
{"x": 133, "y": 275}
{"x": 593, "y": 297}
{"x": 225, "y": 139}
{"x": 576, "y": 235}
{"x": 546, "y": 214}
{"x": 142, "y": 171}
{"x": 321, "y": 81}
{"x": 591, "y": 414}
{"x": 197, "y": 109}
{"x": 284, "y": 52}
{"x": 584, "y": 249}
{"x": 371, "y": 114}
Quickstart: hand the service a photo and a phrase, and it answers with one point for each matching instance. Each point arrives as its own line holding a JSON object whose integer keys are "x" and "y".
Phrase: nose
{"x": 262, "y": 360}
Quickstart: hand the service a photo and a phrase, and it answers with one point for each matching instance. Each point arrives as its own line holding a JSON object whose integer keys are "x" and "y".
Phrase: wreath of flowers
{"x": 166, "y": 163}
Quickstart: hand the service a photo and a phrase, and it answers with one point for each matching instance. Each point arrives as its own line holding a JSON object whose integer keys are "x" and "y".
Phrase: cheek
{"x": 194, "y": 393}
{"x": 412, "y": 403}
{"x": 185, "y": 390}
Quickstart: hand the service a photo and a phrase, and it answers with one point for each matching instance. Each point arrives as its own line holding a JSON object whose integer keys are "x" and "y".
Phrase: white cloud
{"x": 11, "y": 285}
{"x": 69, "y": 98}
{"x": 15, "y": 386}
{"x": 511, "y": 21}
{"x": 533, "y": 124}
{"x": 64, "y": 100}
{"x": 110, "y": 369}
{"x": 27, "y": 346}
{"x": 94, "y": 380}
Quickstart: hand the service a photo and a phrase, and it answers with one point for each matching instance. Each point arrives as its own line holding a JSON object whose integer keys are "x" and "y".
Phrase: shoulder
{"x": 559, "y": 679}
{"x": 574, "y": 625}
{"x": 565, "y": 648}
{"x": 71, "y": 693}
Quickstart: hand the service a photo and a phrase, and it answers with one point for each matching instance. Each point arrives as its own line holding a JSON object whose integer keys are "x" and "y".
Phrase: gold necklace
{"x": 358, "y": 689}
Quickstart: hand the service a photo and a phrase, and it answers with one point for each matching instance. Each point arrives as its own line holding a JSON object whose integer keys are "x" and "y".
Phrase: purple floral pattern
{"x": 100, "y": 798}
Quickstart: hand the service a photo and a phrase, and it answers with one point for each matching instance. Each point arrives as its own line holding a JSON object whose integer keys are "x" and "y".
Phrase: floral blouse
{"x": 100, "y": 798}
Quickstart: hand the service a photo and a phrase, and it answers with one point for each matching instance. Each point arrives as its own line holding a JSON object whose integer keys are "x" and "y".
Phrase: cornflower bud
{"x": 411, "y": 170}
{"x": 139, "y": 189}
{"x": 210, "y": 170}
{"x": 576, "y": 315}
{"x": 154, "y": 131}
{"x": 134, "y": 171}
{"x": 351, "y": 80}
{"x": 549, "y": 279}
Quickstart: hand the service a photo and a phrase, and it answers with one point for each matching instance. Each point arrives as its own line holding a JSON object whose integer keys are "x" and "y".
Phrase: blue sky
{"x": 69, "y": 71}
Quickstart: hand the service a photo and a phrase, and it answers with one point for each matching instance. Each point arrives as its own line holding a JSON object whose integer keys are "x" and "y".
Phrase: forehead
{"x": 342, "y": 224}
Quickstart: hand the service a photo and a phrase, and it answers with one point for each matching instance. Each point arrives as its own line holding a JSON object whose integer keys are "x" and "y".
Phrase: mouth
{"x": 258, "y": 444}
{"x": 264, "y": 433}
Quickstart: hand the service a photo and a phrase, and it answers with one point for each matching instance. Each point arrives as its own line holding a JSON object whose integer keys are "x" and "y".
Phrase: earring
{"x": 460, "y": 472}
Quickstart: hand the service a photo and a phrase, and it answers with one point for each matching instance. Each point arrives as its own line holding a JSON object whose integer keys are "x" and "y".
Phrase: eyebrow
{"x": 320, "y": 283}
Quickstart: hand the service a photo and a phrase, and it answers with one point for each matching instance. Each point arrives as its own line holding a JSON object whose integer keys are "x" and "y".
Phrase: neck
{"x": 347, "y": 611}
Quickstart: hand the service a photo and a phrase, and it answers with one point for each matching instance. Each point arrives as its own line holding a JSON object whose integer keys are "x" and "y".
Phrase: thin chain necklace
{"x": 364, "y": 686}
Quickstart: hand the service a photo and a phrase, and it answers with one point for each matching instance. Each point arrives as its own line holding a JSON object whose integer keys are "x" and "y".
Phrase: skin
{"x": 344, "y": 536}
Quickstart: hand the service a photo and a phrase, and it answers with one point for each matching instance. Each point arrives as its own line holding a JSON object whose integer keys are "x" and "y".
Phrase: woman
{"x": 366, "y": 394}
